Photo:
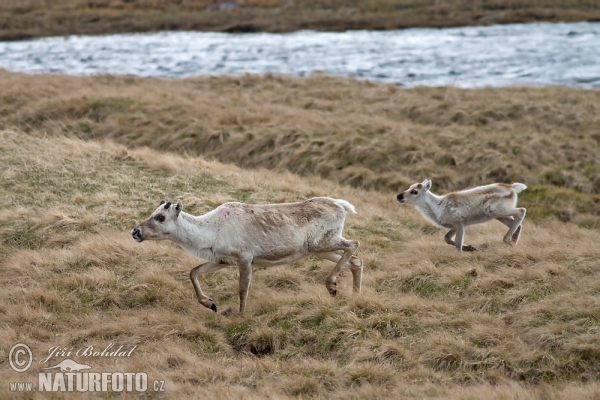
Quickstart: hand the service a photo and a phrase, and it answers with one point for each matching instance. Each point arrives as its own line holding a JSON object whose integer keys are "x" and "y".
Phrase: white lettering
{"x": 131, "y": 351}
{"x": 88, "y": 382}
{"x": 82, "y": 382}
{"x": 117, "y": 382}
{"x": 94, "y": 382}
{"x": 105, "y": 380}
{"x": 45, "y": 381}
{"x": 21, "y": 386}
{"x": 141, "y": 382}
{"x": 129, "y": 376}
{"x": 59, "y": 382}
{"x": 70, "y": 376}
{"x": 56, "y": 351}
{"x": 106, "y": 349}
{"x": 85, "y": 352}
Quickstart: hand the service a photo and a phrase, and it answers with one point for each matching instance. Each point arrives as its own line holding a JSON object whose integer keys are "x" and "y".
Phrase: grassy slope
{"x": 34, "y": 18}
{"x": 359, "y": 133}
{"x": 430, "y": 322}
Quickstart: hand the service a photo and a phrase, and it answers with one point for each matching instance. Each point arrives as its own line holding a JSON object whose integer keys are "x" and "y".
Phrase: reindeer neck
{"x": 192, "y": 233}
{"x": 430, "y": 206}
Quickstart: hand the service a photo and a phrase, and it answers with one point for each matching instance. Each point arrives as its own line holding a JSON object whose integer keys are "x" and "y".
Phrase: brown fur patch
{"x": 301, "y": 214}
{"x": 453, "y": 196}
{"x": 279, "y": 256}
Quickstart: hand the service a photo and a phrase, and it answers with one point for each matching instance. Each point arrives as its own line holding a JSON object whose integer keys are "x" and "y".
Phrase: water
{"x": 518, "y": 54}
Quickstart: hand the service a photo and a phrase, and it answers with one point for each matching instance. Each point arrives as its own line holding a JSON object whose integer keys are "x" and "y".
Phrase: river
{"x": 536, "y": 54}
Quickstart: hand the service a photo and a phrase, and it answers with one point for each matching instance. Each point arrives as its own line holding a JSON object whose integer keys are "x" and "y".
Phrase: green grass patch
{"x": 543, "y": 201}
{"x": 22, "y": 235}
{"x": 99, "y": 109}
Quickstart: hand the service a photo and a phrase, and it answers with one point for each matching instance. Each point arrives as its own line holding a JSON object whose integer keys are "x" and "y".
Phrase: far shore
{"x": 25, "y": 20}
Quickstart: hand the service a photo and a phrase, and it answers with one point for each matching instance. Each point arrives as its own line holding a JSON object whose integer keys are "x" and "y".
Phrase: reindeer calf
{"x": 245, "y": 235}
{"x": 474, "y": 206}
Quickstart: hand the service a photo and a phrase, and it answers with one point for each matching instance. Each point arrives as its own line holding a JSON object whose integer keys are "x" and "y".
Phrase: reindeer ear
{"x": 178, "y": 207}
{"x": 426, "y": 184}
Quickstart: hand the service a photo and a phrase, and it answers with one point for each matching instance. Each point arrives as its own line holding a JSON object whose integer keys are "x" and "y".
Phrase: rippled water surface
{"x": 519, "y": 54}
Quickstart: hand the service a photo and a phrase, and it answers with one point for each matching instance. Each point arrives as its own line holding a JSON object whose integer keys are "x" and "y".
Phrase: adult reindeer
{"x": 245, "y": 235}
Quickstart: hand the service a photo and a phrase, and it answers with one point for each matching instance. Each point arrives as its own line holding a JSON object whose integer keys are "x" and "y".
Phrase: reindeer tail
{"x": 345, "y": 205}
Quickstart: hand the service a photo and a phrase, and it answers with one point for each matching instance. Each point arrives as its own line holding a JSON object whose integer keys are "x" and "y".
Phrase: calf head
{"x": 160, "y": 224}
{"x": 414, "y": 192}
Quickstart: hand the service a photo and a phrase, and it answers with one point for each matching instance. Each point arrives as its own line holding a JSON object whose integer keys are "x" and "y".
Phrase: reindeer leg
{"x": 460, "y": 234}
{"x": 245, "y": 269}
{"x": 348, "y": 247}
{"x": 356, "y": 266}
{"x": 449, "y": 238}
{"x": 201, "y": 269}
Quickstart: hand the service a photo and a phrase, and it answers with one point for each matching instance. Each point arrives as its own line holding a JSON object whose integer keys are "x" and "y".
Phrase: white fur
{"x": 473, "y": 206}
{"x": 245, "y": 235}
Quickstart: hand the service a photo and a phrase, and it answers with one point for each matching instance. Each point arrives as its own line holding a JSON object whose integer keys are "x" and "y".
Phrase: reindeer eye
{"x": 414, "y": 192}
{"x": 160, "y": 218}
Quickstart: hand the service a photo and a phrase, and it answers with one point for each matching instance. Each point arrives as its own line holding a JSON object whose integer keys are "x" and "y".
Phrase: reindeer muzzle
{"x": 137, "y": 235}
{"x": 400, "y": 198}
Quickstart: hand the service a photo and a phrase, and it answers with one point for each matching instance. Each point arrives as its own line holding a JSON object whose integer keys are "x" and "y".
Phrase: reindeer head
{"x": 161, "y": 223}
{"x": 414, "y": 193}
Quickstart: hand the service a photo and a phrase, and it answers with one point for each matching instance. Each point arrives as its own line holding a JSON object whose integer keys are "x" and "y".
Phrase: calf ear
{"x": 178, "y": 206}
{"x": 426, "y": 184}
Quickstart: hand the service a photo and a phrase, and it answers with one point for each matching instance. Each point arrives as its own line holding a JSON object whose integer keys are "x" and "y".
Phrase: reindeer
{"x": 245, "y": 235}
{"x": 468, "y": 207}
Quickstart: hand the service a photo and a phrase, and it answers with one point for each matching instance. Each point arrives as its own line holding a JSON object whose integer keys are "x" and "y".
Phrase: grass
{"x": 518, "y": 322}
{"x": 83, "y": 160}
{"x": 21, "y": 19}
{"x": 357, "y": 133}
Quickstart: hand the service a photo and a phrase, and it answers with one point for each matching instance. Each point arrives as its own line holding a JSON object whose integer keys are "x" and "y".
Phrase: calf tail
{"x": 518, "y": 187}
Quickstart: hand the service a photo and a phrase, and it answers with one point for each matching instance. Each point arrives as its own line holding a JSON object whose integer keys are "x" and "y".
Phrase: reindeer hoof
{"x": 330, "y": 286}
{"x": 208, "y": 303}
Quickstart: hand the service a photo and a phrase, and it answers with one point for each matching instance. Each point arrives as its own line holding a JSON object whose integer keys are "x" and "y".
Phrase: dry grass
{"x": 508, "y": 323}
{"x": 367, "y": 135}
{"x": 33, "y": 18}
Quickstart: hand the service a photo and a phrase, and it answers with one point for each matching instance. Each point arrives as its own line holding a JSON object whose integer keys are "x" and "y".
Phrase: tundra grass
{"x": 34, "y": 18}
{"x": 358, "y": 133}
{"x": 505, "y": 322}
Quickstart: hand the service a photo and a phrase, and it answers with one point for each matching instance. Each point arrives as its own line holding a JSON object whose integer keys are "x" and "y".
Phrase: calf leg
{"x": 356, "y": 266}
{"x": 449, "y": 238}
{"x": 508, "y": 221}
{"x": 518, "y": 216}
{"x": 460, "y": 234}
{"x": 200, "y": 269}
